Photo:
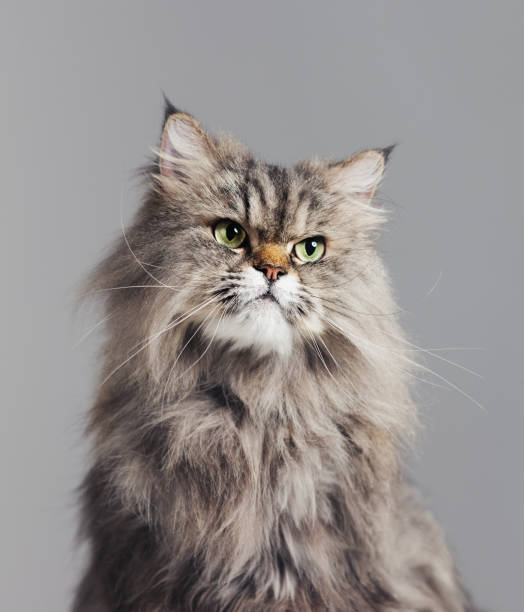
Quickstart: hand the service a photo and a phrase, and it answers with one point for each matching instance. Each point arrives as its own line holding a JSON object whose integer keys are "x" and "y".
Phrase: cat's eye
{"x": 310, "y": 249}
{"x": 229, "y": 233}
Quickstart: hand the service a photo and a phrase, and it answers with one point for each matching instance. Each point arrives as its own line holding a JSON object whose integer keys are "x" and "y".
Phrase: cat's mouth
{"x": 268, "y": 296}
{"x": 265, "y": 303}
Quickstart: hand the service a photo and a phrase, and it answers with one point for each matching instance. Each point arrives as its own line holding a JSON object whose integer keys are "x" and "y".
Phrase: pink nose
{"x": 272, "y": 272}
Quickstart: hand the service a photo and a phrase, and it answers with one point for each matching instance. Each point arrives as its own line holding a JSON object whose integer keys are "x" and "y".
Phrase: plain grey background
{"x": 81, "y": 107}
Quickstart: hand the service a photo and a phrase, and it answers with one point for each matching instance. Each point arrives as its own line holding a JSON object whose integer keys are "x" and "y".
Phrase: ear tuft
{"x": 387, "y": 151}
{"x": 169, "y": 108}
{"x": 359, "y": 176}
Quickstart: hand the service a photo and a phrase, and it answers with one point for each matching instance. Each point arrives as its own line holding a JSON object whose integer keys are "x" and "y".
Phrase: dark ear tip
{"x": 169, "y": 108}
{"x": 386, "y": 152}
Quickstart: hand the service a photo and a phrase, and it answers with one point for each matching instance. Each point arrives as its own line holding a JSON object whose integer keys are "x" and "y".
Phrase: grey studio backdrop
{"x": 81, "y": 106}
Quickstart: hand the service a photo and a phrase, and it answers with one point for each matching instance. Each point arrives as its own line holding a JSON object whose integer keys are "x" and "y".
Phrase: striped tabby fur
{"x": 246, "y": 451}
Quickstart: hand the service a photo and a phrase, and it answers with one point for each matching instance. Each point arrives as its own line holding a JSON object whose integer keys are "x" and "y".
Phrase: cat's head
{"x": 273, "y": 251}
{"x": 249, "y": 255}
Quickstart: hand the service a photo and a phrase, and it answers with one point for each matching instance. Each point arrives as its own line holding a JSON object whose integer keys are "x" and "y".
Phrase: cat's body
{"x": 252, "y": 405}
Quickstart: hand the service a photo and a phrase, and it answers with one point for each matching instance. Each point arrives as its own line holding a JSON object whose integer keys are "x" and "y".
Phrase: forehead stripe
{"x": 260, "y": 192}
{"x": 284, "y": 197}
{"x": 245, "y": 199}
{"x": 254, "y": 201}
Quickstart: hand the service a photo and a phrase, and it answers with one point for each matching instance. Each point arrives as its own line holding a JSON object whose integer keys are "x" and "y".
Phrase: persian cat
{"x": 253, "y": 398}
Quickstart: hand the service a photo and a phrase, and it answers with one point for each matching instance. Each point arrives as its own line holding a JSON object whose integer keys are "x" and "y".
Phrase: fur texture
{"x": 246, "y": 431}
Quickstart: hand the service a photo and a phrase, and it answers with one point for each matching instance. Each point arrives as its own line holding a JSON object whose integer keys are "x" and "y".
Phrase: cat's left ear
{"x": 359, "y": 176}
{"x": 185, "y": 148}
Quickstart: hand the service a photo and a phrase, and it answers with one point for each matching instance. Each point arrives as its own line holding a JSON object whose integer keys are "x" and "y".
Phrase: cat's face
{"x": 266, "y": 300}
{"x": 262, "y": 257}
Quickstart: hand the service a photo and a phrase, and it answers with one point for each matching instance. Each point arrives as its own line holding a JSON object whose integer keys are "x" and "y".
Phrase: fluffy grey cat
{"x": 254, "y": 398}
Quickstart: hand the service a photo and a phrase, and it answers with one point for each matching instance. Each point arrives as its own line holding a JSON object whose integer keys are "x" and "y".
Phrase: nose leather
{"x": 271, "y": 272}
{"x": 272, "y": 259}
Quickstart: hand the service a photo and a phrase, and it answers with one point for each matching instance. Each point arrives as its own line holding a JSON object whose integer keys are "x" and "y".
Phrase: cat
{"x": 254, "y": 397}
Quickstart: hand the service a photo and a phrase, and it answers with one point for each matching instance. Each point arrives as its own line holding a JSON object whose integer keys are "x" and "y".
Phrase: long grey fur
{"x": 229, "y": 478}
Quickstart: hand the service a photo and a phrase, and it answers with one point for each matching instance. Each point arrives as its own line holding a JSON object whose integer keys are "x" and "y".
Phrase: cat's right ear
{"x": 359, "y": 176}
{"x": 185, "y": 147}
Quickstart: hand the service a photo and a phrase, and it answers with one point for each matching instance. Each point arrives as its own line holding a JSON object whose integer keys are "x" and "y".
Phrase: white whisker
{"x": 91, "y": 330}
{"x": 103, "y": 289}
{"x": 435, "y": 284}
{"x": 152, "y": 338}
{"x": 207, "y": 347}
{"x": 319, "y": 353}
{"x": 410, "y": 361}
{"x": 433, "y": 354}
{"x": 164, "y": 392}
{"x": 415, "y": 348}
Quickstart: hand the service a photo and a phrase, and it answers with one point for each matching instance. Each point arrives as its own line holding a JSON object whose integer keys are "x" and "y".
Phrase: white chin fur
{"x": 260, "y": 324}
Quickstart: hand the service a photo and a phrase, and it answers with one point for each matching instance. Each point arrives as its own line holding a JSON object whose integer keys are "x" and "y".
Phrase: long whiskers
{"x": 104, "y": 289}
{"x": 208, "y": 346}
{"x": 415, "y": 348}
{"x": 152, "y": 338}
{"x": 428, "y": 382}
{"x": 322, "y": 360}
{"x": 369, "y": 314}
{"x": 413, "y": 363}
{"x": 376, "y": 314}
{"x": 86, "y": 334}
{"x": 342, "y": 284}
{"x": 164, "y": 392}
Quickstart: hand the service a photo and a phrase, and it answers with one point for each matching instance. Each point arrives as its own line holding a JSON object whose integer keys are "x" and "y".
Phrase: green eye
{"x": 229, "y": 234}
{"x": 310, "y": 249}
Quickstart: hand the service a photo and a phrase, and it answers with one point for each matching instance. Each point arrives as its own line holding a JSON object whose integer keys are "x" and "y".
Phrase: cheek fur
{"x": 287, "y": 290}
{"x": 252, "y": 285}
